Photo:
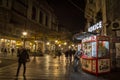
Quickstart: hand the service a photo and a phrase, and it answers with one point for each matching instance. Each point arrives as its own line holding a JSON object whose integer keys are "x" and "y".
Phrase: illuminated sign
{"x": 95, "y": 27}
{"x": 92, "y": 38}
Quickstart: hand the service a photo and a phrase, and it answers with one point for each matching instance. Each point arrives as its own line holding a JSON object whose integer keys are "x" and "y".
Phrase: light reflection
{"x": 36, "y": 59}
{"x": 48, "y": 43}
{"x": 47, "y": 61}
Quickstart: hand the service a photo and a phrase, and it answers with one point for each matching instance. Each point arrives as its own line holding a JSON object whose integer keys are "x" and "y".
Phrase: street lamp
{"x": 24, "y": 35}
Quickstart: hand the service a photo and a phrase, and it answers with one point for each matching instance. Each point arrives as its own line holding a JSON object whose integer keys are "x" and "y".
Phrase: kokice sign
{"x": 95, "y": 27}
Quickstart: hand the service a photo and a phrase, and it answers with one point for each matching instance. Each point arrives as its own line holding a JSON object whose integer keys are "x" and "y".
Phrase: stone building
{"x": 108, "y": 12}
{"x": 35, "y": 17}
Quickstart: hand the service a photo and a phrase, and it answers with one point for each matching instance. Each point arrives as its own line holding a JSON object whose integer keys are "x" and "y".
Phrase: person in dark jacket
{"x": 66, "y": 56}
{"x": 22, "y": 59}
{"x": 77, "y": 61}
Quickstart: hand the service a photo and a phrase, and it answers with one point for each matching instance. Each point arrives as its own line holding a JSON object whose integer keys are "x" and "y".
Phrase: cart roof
{"x": 80, "y": 36}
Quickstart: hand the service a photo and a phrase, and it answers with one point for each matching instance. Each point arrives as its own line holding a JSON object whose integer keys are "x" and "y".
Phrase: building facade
{"x": 35, "y": 17}
{"x": 106, "y": 11}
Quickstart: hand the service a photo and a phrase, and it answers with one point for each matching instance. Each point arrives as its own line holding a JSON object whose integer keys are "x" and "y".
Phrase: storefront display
{"x": 96, "y": 58}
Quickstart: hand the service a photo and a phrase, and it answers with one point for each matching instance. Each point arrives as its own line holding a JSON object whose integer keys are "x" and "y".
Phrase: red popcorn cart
{"x": 96, "y": 54}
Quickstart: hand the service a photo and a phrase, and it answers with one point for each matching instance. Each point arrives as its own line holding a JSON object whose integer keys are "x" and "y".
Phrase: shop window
{"x": 33, "y": 13}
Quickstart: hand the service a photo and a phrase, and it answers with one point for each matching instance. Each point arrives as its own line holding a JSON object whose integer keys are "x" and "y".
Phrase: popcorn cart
{"x": 96, "y": 57}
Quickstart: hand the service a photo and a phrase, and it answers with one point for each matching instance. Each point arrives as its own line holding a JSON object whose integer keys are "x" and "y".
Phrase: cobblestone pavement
{"x": 47, "y": 68}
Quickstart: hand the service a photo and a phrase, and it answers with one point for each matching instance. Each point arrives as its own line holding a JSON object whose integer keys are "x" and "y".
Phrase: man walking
{"x": 22, "y": 59}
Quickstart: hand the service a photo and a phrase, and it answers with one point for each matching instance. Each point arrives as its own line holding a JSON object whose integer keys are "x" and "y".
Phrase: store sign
{"x": 95, "y": 27}
{"x": 92, "y": 38}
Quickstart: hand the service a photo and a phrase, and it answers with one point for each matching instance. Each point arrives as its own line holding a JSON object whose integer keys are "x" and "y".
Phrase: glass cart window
{"x": 103, "y": 49}
{"x": 94, "y": 54}
{"x": 87, "y": 48}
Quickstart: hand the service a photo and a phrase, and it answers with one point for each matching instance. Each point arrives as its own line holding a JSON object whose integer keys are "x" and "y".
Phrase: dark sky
{"x": 69, "y": 14}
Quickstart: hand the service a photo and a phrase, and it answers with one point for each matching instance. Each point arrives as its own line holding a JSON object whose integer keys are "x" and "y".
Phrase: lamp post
{"x": 24, "y": 35}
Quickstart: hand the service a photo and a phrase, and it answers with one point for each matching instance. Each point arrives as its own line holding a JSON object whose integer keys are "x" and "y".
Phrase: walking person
{"x": 70, "y": 55}
{"x": 12, "y": 51}
{"x": 59, "y": 54}
{"x": 76, "y": 61}
{"x": 66, "y": 56}
{"x": 5, "y": 52}
{"x": 22, "y": 59}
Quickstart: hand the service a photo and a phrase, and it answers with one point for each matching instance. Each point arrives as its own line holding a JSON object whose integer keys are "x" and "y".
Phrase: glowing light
{"x": 73, "y": 45}
{"x": 48, "y": 43}
{"x": 59, "y": 45}
{"x": 2, "y": 40}
{"x": 24, "y": 33}
{"x": 65, "y": 43}
{"x": 56, "y": 41}
{"x": 14, "y": 41}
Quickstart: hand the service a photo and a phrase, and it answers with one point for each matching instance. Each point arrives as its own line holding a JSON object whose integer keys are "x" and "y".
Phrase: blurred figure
{"x": 22, "y": 59}
{"x": 77, "y": 59}
{"x": 70, "y": 55}
{"x": 73, "y": 51}
{"x": 12, "y": 51}
{"x": 5, "y": 52}
{"x": 59, "y": 54}
{"x": 66, "y": 56}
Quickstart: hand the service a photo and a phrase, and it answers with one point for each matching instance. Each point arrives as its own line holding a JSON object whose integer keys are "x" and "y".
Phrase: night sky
{"x": 68, "y": 14}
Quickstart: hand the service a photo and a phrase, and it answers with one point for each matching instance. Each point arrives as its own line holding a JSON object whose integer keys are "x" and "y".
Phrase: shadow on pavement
{"x": 6, "y": 62}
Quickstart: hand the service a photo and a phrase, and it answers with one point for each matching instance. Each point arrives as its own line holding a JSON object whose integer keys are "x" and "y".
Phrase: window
{"x": 87, "y": 47}
{"x": 41, "y": 17}
{"x": 103, "y": 49}
{"x": 91, "y": 1}
{"x": 1, "y": 1}
{"x": 46, "y": 21}
{"x": 7, "y": 3}
{"x": 33, "y": 13}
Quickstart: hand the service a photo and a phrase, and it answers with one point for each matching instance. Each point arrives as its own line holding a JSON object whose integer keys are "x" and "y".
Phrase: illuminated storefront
{"x": 96, "y": 56}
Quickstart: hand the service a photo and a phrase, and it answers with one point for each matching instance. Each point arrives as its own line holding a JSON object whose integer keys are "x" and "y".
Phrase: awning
{"x": 80, "y": 36}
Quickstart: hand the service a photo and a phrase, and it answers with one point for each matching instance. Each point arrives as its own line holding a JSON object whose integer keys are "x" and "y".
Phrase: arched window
{"x": 46, "y": 21}
{"x": 33, "y": 13}
{"x": 41, "y": 17}
{"x": 1, "y": 2}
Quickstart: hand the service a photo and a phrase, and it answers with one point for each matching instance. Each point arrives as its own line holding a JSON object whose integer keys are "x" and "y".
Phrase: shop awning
{"x": 80, "y": 36}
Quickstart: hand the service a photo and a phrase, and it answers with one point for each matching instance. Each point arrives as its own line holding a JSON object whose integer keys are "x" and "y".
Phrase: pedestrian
{"x": 59, "y": 54}
{"x": 22, "y": 59}
{"x": 66, "y": 56}
{"x": 70, "y": 55}
{"x": 12, "y": 51}
{"x": 76, "y": 62}
{"x": 5, "y": 52}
